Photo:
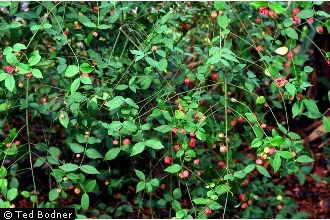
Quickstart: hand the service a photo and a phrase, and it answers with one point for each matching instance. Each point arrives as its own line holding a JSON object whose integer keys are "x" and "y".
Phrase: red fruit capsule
{"x": 176, "y": 147}
{"x": 290, "y": 55}
{"x": 126, "y": 141}
{"x": 319, "y": 29}
{"x": 258, "y": 20}
{"x": 310, "y": 20}
{"x": 244, "y": 205}
{"x": 214, "y": 76}
{"x": 208, "y": 211}
{"x": 192, "y": 142}
{"x": 168, "y": 160}
{"x": 241, "y": 196}
{"x": 222, "y": 164}
{"x": 233, "y": 123}
{"x": 187, "y": 81}
{"x": 9, "y": 69}
{"x": 295, "y": 11}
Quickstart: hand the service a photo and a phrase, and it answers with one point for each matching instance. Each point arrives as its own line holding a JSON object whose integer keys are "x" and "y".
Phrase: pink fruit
{"x": 208, "y": 211}
{"x": 196, "y": 161}
{"x": 168, "y": 160}
{"x": 241, "y": 196}
{"x": 244, "y": 205}
{"x": 192, "y": 134}
{"x": 196, "y": 117}
{"x": 319, "y": 29}
{"x": 271, "y": 151}
{"x": 115, "y": 142}
{"x": 214, "y": 76}
{"x": 295, "y": 11}
{"x": 126, "y": 141}
{"x": 310, "y": 20}
{"x": 222, "y": 164}
{"x": 174, "y": 130}
{"x": 280, "y": 82}
{"x": 290, "y": 55}
{"x": 9, "y": 69}
{"x": 259, "y": 161}
{"x": 192, "y": 142}
{"x": 176, "y": 147}
{"x": 233, "y": 123}
{"x": 95, "y": 34}
{"x": 258, "y": 20}
{"x": 263, "y": 126}
{"x": 187, "y": 81}
{"x": 223, "y": 149}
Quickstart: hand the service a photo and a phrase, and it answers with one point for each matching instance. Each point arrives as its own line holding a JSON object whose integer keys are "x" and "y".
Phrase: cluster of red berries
{"x": 267, "y": 12}
{"x": 185, "y": 27}
{"x": 243, "y": 198}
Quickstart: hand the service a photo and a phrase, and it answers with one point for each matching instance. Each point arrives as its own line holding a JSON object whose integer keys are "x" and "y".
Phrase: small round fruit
{"x": 263, "y": 126}
{"x": 95, "y": 9}
{"x": 77, "y": 191}
{"x": 259, "y": 161}
{"x": 174, "y": 130}
{"x": 214, "y": 76}
{"x": 241, "y": 196}
{"x": 290, "y": 55}
{"x": 187, "y": 81}
{"x": 319, "y": 29}
{"x": 127, "y": 141}
{"x": 310, "y": 20}
{"x": 192, "y": 142}
{"x": 196, "y": 161}
{"x": 95, "y": 34}
{"x": 154, "y": 48}
{"x": 223, "y": 149}
{"x": 244, "y": 205}
{"x": 168, "y": 160}
{"x": 266, "y": 150}
{"x": 295, "y": 11}
{"x": 192, "y": 134}
{"x": 214, "y": 14}
{"x": 271, "y": 151}
{"x": 115, "y": 142}
{"x": 176, "y": 147}
{"x": 249, "y": 201}
{"x": 163, "y": 186}
{"x": 208, "y": 211}
{"x": 233, "y": 123}
{"x": 9, "y": 69}
{"x": 196, "y": 117}
{"x": 258, "y": 20}
{"x": 222, "y": 164}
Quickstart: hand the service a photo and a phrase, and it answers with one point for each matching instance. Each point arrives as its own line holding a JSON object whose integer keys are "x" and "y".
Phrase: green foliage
{"x": 125, "y": 107}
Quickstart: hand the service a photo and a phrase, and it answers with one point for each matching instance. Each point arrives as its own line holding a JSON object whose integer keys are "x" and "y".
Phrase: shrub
{"x": 156, "y": 109}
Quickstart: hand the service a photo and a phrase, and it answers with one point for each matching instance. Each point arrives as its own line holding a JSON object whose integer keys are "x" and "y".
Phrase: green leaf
{"x": 69, "y": 167}
{"x": 10, "y": 83}
{"x": 285, "y": 154}
{"x": 90, "y": 186}
{"x": 162, "y": 65}
{"x": 140, "y": 186}
{"x": 115, "y": 103}
{"x": 221, "y": 189}
{"x": 291, "y": 33}
{"x": 174, "y": 168}
{"x": 154, "y": 144}
{"x": 64, "y": 119}
{"x": 140, "y": 175}
{"x": 154, "y": 182}
{"x": 214, "y": 205}
{"x": 138, "y": 148}
{"x": 86, "y": 80}
{"x": 112, "y": 153}
{"x": 251, "y": 117}
{"x": 276, "y": 163}
{"x": 313, "y": 111}
{"x": 326, "y": 123}
{"x": 86, "y": 68}
{"x": 177, "y": 193}
{"x": 163, "y": 129}
{"x": 93, "y": 154}
{"x": 200, "y": 135}
{"x": 263, "y": 171}
{"x": 200, "y": 201}
{"x": 276, "y": 7}
{"x": 12, "y": 194}
{"x": 304, "y": 159}
{"x": 240, "y": 174}
{"x": 219, "y": 5}
{"x": 25, "y": 194}
{"x": 306, "y": 13}
{"x": 291, "y": 89}
{"x": 34, "y": 59}
{"x": 3, "y": 76}
{"x": 53, "y": 195}
{"x": 89, "y": 169}
{"x": 260, "y": 100}
{"x": 297, "y": 109}
{"x": 278, "y": 141}
{"x": 71, "y": 71}
{"x": 18, "y": 47}
{"x": 85, "y": 201}
{"x": 223, "y": 21}
{"x": 37, "y": 73}
{"x": 103, "y": 26}
{"x": 76, "y": 148}
{"x": 11, "y": 59}
{"x": 249, "y": 168}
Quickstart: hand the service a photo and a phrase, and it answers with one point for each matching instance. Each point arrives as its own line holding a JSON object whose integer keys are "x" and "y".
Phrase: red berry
{"x": 290, "y": 55}
{"x": 95, "y": 9}
{"x": 310, "y": 20}
{"x": 319, "y": 29}
{"x": 163, "y": 186}
{"x": 208, "y": 211}
{"x": 299, "y": 96}
{"x": 184, "y": 174}
{"x": 95, "y": 34}
{"x": 174, "y": 130}
{"x": 17, "y": 143}
{"x": 115, "y": 142}
{"x": 196, "y": 117}
{"x": 249, "y": 201}
{"x": 241, "y": 119}
{"x": 272, "y": 14}
{"x": 201, "y": 103}
{"x": 183, "y": 25}
{"x": 223, "y": 149}
{"x": 9, "y": 69}
{"x": 263, "y": 126}
{"x": 295, "y": 11}
{"x": 266, "y": 12}
{"x": 295, "y": 20}
{"x": 271, "y": 151}
{"x": 259, "y": 161}
{"x": 242, "y": 196}
{"x": 168, "y": 160}
{"x": 176, "y": 147}
{"x": 280, "y": 82}
{"x": 192, "y": 142}
{"x": 188, "y": 26}
{"x": 126, "y": 141}
{"x": 192, "y": 134}
{"x": 233, "y": 123}
{"x": 222, "y": 164}
{"x": 328, "y": 62}
{"x": 258, "y": 20}
{"x": 214, "y": 76}
{"x": 260, "y": 48}
{"x": 187, "y": 81}
{"x": 199, "y": 173}
{"x": 244, "y": 205}
{"x": 196, "y": 162}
